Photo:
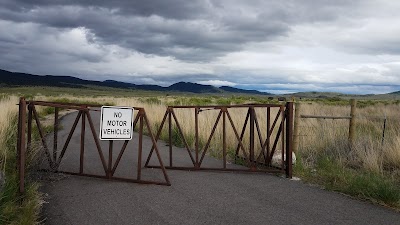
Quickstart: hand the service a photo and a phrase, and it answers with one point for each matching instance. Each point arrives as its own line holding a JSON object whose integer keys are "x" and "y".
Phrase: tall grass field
{"x": 368, "y": 168}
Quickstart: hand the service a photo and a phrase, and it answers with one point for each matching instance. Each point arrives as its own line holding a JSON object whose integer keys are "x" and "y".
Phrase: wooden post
{"x": 296, "y": 131}
{"x": 352, "y": 125}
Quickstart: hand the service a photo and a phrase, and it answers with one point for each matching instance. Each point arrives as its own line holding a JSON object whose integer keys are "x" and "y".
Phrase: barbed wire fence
{"x": 320, "y": 126}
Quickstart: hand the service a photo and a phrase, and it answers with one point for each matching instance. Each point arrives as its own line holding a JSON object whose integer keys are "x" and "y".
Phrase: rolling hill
{"x": 8, "y": 78}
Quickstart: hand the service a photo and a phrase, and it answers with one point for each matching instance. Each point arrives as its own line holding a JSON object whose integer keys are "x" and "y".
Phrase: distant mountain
{"x": 237, "y": 90}
{"x": 8, "y": 78}
{"x": 195, "y": 88}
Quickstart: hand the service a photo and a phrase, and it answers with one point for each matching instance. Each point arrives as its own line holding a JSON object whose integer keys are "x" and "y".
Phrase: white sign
{"x": 116, "y": 123}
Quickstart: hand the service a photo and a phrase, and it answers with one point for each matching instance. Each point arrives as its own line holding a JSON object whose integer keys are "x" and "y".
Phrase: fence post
{"x": 21, "y": 144}
{"x": 352, "y": 125}
{"x": 289, "y": 139}
{"x": 296, "y": 131}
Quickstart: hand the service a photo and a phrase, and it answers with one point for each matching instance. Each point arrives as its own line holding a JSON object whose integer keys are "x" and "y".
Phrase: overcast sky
{"x": 347, "y": 46}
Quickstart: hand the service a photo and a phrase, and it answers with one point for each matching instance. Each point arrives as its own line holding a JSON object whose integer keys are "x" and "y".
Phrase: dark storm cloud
{"x": 260, "y": 44}
{"x": 174, "y": 9}
{"x": 186, "y": 30}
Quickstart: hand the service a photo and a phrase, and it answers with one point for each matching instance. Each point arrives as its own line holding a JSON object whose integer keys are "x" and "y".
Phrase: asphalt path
{"x": 195, "y": 197}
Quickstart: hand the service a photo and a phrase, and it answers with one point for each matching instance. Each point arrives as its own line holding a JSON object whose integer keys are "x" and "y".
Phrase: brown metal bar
{"x": 268, "y": 140}
{"x": 140, "y": 181}
{"x": 252, "y": 137}
{"x": 283, "y": 139}
{"x": 242, "y": 134}
{"x": 69, "y": 138}
{"x": 289, "y": 139}
{"x": 110, "y": 152}
{"x": 21, "y": 144}
{"x": 270, "y": 152}
{"x": 55, "y": 134}
{"x": 225, "y": 106}
{"x": 135, "y": 121}
{"x": 210, "y": 138}
{"x": 29, "y": 135}
{"x": 116, "y": 178}
{"x": 46, "y": 103}
{"x": 156, "y": 149}
{"x": 19, "y": 135}
{"x": 42, "y": 137}
{"x": 274, "y": 146}
{"x": 170, "y": 135}
{"x": 270, "y": 170}
{"x": 58, "y": 105}
{"x": 119, "y": 157}
{"x": 82, "y": 152}
{"x": 196, "y": 135}
{"x": 262, "y": 151}
{"x": 276, "y": 120}
{"x": 140, "y": 146}
{"x": 157, "y": 137}
{"x": 237, "y": 136}
{"x": 224, "y": 137}
{"x": 258, "y": 129}
{"x": 96, "y": 140}
{"x": 183, "y": 137}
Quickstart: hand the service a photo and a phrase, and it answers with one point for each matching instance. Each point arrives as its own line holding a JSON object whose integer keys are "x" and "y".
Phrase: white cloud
{"x": 217, "y": 83}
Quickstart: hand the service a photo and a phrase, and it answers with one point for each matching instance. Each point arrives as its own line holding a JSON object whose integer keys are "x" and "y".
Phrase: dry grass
{"x": 8, "y": 112}
{"x": 329, "y": 137}
{"x": 12, "y": 209}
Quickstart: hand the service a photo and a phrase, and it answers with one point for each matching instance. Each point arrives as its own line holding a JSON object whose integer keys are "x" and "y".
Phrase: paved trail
{"x": 194, "y": 197}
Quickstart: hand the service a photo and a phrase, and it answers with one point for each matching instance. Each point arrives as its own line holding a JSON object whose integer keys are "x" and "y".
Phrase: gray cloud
{"x": 321, "y": 45}
{"x": 186, "y": 30}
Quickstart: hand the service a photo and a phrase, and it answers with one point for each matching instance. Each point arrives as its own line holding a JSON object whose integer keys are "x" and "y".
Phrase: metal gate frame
{"x": 285, "y": 133}
{"x": 25, "y": 139}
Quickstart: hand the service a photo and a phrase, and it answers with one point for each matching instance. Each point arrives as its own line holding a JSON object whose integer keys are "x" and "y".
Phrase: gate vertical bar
{"x": 55, "y": 139}
{"x": 82, "y": 142}
{"x": 224, "y": 135}
{"x": 289, "y": 139}
{"x": 196, "y": 124}
{"x": 110, "y": 152}
{"x": 170, "y": 135}
{"x": 268, "y": 149}
{"x": 283, "y": 132}
{"x": 296, "y": 131}
{"x": 252, "y": 114}
{"x": 21, "y": 144}
{"x": 140, "y": 145}
{"x": 29, "y": 132}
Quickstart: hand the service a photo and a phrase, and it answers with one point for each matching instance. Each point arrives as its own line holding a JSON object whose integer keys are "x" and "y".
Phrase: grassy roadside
{"x": 14, "y": 208}
{"x": 332, "y": 175}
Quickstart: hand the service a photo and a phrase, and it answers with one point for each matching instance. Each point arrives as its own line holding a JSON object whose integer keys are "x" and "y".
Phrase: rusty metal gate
{"x": 257, "y": 156}
{"x": 27, "y": 111}
{"x": 281, "y": 125}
